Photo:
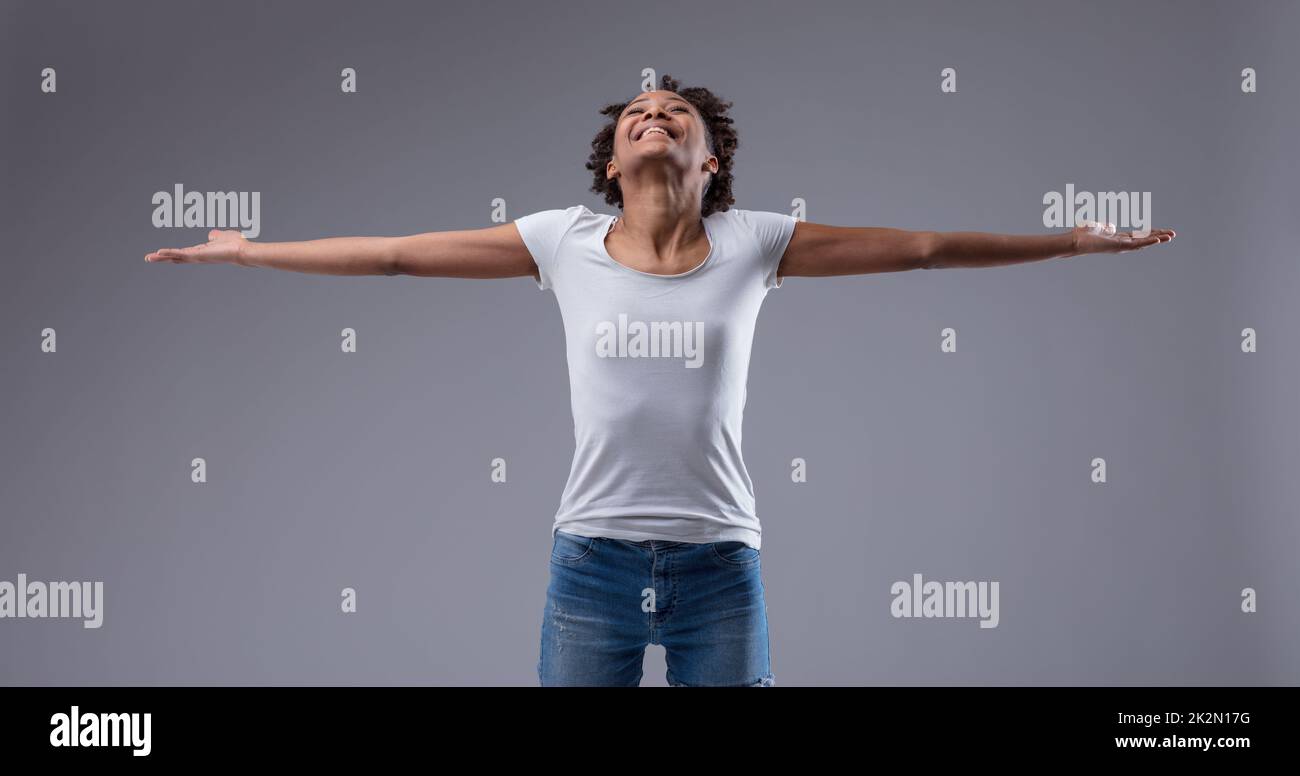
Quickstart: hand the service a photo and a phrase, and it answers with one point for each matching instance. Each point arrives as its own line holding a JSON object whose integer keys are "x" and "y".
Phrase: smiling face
{"x": 660, "y": 128}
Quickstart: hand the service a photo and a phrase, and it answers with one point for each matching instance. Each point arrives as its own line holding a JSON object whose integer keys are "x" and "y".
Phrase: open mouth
{"x": 656, "y": 130}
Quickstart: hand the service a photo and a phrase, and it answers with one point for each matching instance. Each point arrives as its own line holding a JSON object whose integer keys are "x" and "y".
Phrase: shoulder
{"x": 556, "y": 217}
{"x": 544, "y": 230}
{"x": 755, "y": 220}
{"x": 771, "y": 230}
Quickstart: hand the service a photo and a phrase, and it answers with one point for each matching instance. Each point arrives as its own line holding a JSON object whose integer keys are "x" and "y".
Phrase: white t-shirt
{"x": 657, "y": 372}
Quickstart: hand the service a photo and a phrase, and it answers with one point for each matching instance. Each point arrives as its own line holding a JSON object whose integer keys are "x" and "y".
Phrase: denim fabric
{"x": 609, "y": 598}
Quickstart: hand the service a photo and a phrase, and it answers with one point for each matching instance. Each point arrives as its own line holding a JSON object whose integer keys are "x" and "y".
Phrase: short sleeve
{"x": 772, "y": 231}
{"x": 542, "y": 233}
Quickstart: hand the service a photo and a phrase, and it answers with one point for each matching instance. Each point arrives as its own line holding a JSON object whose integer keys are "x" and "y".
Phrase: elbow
{"x": 927, "y": 253}
{"x": 391, "y": 261}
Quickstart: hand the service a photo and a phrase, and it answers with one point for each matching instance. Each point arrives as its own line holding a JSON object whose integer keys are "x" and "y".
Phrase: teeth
{"x": 655, "y": 129}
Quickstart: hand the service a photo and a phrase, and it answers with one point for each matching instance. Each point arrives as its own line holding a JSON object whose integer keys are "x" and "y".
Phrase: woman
{"x": 657, "y": 540}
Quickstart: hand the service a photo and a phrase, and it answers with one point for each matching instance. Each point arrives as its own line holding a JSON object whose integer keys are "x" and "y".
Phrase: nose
{"x": 654, "y": 112}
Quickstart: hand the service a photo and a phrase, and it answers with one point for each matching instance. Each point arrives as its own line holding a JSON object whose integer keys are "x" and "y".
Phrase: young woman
{"x": 656, "y": 540}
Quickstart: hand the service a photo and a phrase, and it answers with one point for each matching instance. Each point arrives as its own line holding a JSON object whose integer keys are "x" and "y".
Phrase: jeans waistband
{"x": 650, "y": 544}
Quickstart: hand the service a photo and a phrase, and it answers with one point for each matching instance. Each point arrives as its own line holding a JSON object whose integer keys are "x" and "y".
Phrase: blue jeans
{"x": 609, "y": 598}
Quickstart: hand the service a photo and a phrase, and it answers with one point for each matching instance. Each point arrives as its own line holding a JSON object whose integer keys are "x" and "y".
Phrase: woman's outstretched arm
{"x": 820, "y": 250}
{"x": 491, "y": 252}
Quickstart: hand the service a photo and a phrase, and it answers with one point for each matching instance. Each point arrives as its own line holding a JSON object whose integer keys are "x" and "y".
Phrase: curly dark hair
{"x": 720, "y": 137}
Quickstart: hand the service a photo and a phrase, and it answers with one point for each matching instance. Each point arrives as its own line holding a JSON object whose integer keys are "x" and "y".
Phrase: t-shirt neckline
{"x": 605, "y": 252}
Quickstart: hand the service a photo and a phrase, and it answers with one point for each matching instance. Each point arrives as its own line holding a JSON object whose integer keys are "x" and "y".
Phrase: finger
{"x": 1109, "y": 229}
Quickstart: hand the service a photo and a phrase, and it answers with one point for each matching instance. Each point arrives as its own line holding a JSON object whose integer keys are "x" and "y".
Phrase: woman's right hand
{"x": 224, "y": 246}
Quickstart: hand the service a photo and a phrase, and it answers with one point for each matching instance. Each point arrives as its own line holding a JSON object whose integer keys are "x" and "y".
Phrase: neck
{"x": 660, "y": 220}
{"x": 660, "y": 206}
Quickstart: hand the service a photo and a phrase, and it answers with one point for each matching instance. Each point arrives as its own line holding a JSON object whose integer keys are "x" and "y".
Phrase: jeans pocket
{"x": 571, "y": 549}
{"x": 734, "y": 554}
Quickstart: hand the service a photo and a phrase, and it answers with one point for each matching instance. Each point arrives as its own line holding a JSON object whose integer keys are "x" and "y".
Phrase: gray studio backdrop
{"x": 371, "y": 470}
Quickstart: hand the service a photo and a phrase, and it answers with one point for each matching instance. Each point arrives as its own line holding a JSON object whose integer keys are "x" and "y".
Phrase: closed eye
{"x": 641, "y": 110}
